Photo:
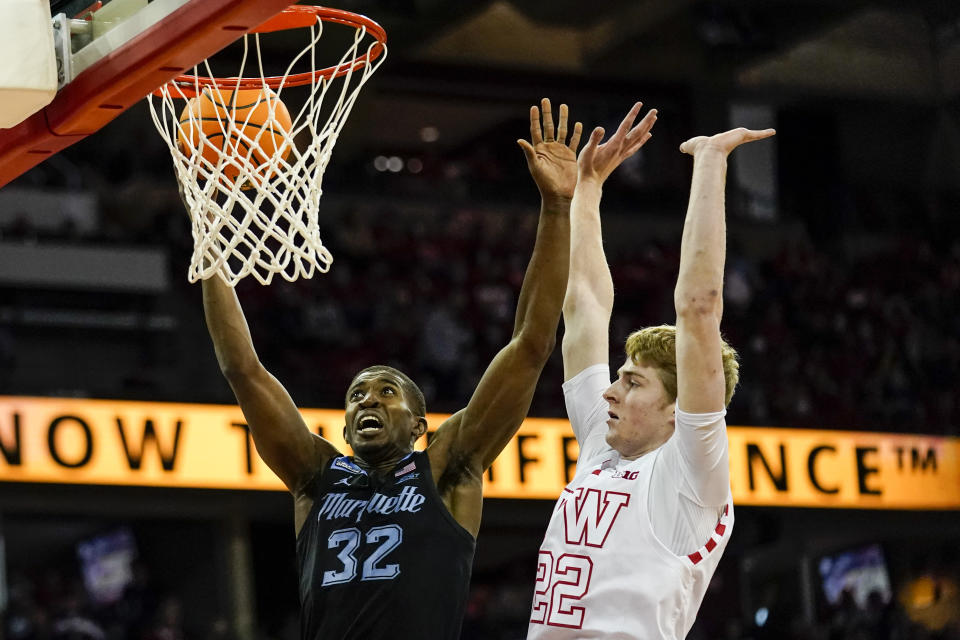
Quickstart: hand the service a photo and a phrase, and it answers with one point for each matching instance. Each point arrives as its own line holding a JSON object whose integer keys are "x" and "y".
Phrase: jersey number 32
{"x": 383, "y": 540}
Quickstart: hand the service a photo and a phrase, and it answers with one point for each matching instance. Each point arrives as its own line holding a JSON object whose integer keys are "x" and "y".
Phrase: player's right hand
{"x": 552, "y": 160}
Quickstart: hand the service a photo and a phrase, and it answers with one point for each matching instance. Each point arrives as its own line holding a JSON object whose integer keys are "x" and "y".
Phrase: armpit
{"x": 461, "y": 469}
{"x": 309, "y": 488}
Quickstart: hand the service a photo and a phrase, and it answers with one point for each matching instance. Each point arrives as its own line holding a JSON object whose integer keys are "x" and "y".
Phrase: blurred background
{"x": 841, "y": 295}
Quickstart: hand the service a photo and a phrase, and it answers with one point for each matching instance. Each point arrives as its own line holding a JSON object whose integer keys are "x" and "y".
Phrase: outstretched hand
{"x": 597, "y": 161}
{"x": 724, "y": 142}
{"x": 551, "y": 159}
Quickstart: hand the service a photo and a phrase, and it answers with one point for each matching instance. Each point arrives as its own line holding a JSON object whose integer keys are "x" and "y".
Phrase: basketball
{"x": 246, "y": 127}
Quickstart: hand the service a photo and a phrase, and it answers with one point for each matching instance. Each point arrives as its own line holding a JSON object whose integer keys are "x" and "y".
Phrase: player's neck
{"x": 644, "y": 448}
{"x": 379, "y": 466}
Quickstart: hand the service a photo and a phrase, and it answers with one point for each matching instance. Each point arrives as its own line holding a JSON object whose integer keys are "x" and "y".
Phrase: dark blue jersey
{"x": 382, "y": 557}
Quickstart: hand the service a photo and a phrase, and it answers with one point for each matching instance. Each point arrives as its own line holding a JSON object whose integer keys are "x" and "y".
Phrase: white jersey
{"x": 603, "y": 570}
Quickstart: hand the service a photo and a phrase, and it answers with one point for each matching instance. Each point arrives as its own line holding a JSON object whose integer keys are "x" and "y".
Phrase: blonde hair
{"x": 657, "y": 347}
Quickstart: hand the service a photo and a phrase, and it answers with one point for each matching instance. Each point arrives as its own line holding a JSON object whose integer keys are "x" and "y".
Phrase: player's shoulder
{"x": 598, "y": 373}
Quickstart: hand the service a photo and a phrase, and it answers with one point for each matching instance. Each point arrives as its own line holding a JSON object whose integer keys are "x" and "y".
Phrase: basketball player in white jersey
{"x": 637, "y": 534}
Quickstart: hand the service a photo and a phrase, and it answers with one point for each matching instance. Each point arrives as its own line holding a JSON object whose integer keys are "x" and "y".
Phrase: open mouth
{"x": 369, "y": 424}
{"x": 612, "y": 415}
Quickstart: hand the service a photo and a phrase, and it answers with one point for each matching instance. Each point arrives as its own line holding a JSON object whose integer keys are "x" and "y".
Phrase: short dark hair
{"x": 411, "y": 391}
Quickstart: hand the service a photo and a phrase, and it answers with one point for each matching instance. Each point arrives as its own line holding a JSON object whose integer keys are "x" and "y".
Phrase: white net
{"x": 250, "y": 171}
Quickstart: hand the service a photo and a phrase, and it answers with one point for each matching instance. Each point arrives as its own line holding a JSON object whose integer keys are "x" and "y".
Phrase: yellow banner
{"x": 79, "y": 441}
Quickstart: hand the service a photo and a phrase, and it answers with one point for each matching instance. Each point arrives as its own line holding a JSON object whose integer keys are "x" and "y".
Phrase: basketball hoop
{"x": 255, "y": 212}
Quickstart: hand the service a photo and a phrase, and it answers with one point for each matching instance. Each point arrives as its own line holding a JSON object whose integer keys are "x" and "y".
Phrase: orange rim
{"x": 294, "y": 17}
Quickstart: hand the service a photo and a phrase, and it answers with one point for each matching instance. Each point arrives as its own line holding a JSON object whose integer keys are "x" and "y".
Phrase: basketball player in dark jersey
{"x": 385, "y": 538}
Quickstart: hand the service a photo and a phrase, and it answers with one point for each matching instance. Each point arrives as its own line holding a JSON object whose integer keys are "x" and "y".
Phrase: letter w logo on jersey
{"x": 589, "y": 517}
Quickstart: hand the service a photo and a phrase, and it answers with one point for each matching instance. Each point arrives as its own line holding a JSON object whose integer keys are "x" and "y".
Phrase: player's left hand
{"x": 552, "y": 159}
{"x": 724, "y": 142}
{"x": 597, "y": 161}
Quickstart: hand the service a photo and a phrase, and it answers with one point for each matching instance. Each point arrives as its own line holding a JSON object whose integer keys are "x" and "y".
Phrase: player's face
{"x": 379, "y": 421}
{"x": 641, "y": 416}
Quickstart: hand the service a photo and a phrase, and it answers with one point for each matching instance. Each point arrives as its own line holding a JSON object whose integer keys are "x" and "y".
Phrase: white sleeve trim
{"x": 691, "y": 481}
{"x": 699, "y": 419}
{"x": 703, "y": 456}
{"x": 587, "y": 410}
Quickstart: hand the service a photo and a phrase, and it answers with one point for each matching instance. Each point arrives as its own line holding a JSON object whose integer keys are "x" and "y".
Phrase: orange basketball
{"x": 230, "y": 122}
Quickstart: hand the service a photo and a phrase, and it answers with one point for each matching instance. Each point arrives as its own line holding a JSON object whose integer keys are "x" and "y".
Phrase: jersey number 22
{"x": 560, "y": 584}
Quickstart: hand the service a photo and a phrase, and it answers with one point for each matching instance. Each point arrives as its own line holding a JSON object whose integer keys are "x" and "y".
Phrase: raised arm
{"x": 281, "y": 437}
{"x": 503, "y": 396}
{"x": 589, "y": 298}
{"x": 699, "y": 293}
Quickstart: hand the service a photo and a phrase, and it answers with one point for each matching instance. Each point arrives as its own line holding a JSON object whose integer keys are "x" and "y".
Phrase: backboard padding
{"x": 123, "y": 77}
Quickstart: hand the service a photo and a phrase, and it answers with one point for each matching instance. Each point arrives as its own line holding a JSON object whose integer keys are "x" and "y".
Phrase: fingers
{"x": 575, "y": 138}
{"x": 628, "y": 120}
{"x": 643, "y": 127}
{"x": 547, "y": 120}
{"x": 535, "y": 135}
{"x": 635, "y": 145}
{"x": 741, "y": 136}
{"x": 753, "y": 134}
{"x": 725, "y": 142}
{"x": 547, "y": 132}
{"x": 595, "y": 137}
{"x": 562, "y": 125}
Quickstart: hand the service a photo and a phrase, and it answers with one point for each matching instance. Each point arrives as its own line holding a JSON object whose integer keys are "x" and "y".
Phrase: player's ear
{"x": 345, "y": 433}
{"x": 420, "y": 428}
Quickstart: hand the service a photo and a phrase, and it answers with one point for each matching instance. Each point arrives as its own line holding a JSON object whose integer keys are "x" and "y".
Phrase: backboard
{"x": 118, "y": 52}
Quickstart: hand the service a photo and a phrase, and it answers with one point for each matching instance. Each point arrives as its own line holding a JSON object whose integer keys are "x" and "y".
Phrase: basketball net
{"x": 266, "y": 220}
